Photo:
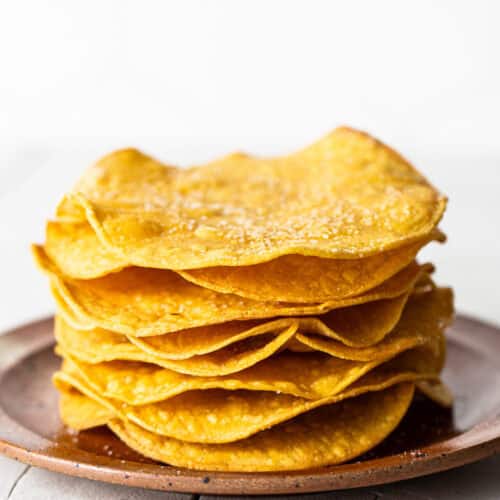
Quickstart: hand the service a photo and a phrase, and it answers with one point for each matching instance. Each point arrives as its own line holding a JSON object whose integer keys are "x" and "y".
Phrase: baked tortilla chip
{"x": 141, "y": 302}
{"x": 346, "y": 196}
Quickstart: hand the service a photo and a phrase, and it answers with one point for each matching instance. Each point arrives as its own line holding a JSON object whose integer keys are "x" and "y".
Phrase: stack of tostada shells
{"x": 250, "y": 314}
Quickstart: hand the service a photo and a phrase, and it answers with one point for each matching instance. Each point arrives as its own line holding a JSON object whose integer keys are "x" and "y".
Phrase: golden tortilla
{"x": 295, "y": 278}
{"x": 346, "y": 196}
{"x": 77, "y": 252}
{"x": 79, "y": 412}
{"x": 142, "y": 302}
{"x": 330, "y": 434}
{"x": 215, "y": 417}
{"x": 231, "y": 359}
{"x": 75, "y": 249}
{"x": 424, "y": 317}
{"x": 307, "y": 375}
{"x": 358, "y": 326}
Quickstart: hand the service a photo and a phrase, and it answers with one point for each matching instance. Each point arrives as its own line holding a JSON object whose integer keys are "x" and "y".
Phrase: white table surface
{"x": 33, "y": 178}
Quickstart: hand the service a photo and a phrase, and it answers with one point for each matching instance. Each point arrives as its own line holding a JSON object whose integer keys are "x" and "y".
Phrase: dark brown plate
{"x": 428, "y": 440}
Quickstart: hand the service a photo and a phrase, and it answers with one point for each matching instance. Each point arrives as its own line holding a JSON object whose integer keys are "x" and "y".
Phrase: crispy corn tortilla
{"x": 424, "y": 317}
{"x": 139, "y": 384}
{"x": 344, "y": 324}
{"x": 142, "y": 302}
{"x": 79, "y": 412}
{"x": 361, "y": 325}
{"x": 346, "y": 196}
{"x": 295, "y": 278}
{"x": 187, "y": 343}
{"x": 231, "y": 359}
{"x": 424, "y": 313}
{"x": 209, "y": 339}
{"x": 201, "y": 340}
{"x": 306, "y": 375}
{"x": 98, "y": 343}
{"x": 128, "y": 171}
{"x": 331, "y": 434}
{"x": 214, "y": 416}
{"x": 75, "y": 249}
{"x": 78, "y": 253}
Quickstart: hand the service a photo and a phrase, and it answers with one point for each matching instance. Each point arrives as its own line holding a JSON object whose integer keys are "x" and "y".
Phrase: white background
{"x": 189, "y": 80}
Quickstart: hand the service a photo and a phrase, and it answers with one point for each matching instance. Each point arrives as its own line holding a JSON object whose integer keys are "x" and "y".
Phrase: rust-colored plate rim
{"x": 480, "y": 441}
